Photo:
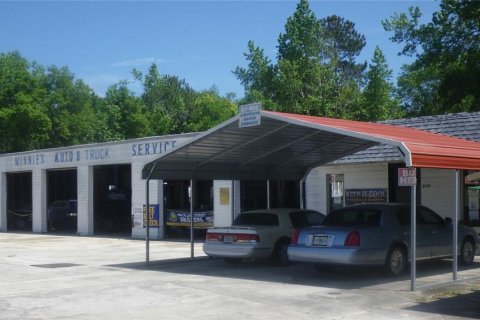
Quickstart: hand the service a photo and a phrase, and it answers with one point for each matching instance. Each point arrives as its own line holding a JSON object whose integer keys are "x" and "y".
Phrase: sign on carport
{"x": 407, "y": 177}
{"x": 249, "y": 115}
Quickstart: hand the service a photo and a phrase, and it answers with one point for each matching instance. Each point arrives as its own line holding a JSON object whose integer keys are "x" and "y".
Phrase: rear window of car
{"x": 256, "y": 219}
{"x": 302, "y": 219}
{"x": 370, "y": 217}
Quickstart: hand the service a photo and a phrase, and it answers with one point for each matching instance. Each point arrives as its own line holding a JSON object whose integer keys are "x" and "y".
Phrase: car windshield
{"x": 353, "y": 216}
{"x": 256, "y": 219}
{"x": 302, "y": 219}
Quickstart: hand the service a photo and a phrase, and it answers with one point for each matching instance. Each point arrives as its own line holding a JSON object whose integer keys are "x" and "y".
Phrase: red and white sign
{"x": 407, "y": 177}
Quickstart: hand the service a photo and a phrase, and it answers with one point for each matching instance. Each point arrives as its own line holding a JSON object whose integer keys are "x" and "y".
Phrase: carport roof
{"x": 286, "y": 146}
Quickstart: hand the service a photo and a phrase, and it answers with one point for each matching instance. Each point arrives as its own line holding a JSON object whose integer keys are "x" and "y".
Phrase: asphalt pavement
{"x": 46, "y": 276}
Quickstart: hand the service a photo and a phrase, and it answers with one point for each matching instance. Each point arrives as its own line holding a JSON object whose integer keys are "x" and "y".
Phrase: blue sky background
{"x": 200, "y": 41}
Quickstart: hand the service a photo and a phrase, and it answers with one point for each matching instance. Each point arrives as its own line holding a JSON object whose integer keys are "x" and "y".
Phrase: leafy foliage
{"x": 47, "y": 107}
{"x": 315, "y": 72}
{"x": 445, "y": 77}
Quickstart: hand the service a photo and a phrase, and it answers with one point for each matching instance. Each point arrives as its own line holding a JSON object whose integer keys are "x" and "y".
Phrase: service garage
{"x": 84, "y": 189}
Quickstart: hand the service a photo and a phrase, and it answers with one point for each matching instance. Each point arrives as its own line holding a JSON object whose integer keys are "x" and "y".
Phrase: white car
{"x": 259, "y": 234}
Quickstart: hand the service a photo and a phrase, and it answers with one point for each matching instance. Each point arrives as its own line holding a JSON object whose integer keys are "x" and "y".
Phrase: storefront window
{"x": 336, "y": 198}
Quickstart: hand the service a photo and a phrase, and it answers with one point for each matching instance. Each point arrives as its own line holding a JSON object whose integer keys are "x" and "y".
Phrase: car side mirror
{"x": 448, "y": 220}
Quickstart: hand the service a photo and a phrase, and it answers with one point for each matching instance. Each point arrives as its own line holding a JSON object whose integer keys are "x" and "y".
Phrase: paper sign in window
{"x": 225, "y": 196}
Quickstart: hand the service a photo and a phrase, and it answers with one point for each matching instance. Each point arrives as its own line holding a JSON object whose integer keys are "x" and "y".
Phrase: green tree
{"x": 23, "y": 127}
{"x": 209, "y": 110}
{"x": 168, "y": 101}
{"x": 69, "y": 105}
{"x": 379, "y": 103}
{"x": 315, "y": 71}
{"x": 445, "y": 76}
{"x": 16, "y": 80}
{"x": 124, "y": 113}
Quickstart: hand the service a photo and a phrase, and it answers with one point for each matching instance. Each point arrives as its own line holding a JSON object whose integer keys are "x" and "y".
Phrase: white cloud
{"x": 139, "y": 62}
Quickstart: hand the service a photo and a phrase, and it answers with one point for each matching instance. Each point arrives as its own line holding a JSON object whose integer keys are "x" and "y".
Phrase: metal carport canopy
{"x": 286, "y": 146}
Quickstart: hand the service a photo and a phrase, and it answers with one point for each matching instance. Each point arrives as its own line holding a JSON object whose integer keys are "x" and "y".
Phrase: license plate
{"x": 320, "y": 241}
{"x": 227, "y": 239}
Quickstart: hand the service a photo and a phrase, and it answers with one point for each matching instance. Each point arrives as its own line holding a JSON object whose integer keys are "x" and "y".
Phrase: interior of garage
{"x": 62, "y": 201}
{"x": 177, "y": 204}
{"x": 283, "y": 194}
{"x": 19, "y": 201}
{"x": 112, "y": 199}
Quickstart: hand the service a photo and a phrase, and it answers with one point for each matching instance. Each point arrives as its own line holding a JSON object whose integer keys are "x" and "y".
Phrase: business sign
{"x": 355, "y": 196}
{"x": 407, "y": 177}
{"x": 153, "y": 215}
{"x": 201, "y": 219}
{"x": 249, "y": 115}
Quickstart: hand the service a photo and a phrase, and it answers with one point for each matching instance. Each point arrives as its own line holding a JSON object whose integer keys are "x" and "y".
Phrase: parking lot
{"x": 58, "y": 277}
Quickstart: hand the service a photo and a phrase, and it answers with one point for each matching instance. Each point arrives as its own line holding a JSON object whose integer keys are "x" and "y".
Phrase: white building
{"x": 100, "y": 175}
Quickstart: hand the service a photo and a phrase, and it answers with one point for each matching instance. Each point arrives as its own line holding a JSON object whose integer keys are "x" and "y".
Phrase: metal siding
{"x": 438, "y": 190}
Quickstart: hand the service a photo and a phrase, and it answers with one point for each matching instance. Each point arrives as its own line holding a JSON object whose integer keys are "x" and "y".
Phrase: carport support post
{"x": 268, "y": 194}
{"x": 301, "y": 195}
{"x": 413, "y": 238}
{"x": 192, "y": 253}
{"x": 147, "y": 239}
{"x": 455, "y": 226}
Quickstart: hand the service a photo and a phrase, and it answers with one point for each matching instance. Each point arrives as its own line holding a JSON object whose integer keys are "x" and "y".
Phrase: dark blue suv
{"x": 62, "y": 215}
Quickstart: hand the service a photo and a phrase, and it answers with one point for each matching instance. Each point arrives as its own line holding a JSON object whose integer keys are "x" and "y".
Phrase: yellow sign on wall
{"x": 225, "y": 196}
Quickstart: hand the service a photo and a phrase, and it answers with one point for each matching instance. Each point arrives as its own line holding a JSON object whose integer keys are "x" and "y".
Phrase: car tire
{"x": 280, "y": 253}
{"x": 467, "y": 252}
{"x": 232, "y": 261}
{"x": 396, "y": 262}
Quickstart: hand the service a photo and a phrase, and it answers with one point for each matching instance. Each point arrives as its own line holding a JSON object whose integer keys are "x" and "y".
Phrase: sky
{"x": 199, "y": 41}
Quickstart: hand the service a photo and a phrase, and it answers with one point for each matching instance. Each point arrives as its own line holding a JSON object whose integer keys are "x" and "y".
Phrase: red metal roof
{"x": 427, "y": 149}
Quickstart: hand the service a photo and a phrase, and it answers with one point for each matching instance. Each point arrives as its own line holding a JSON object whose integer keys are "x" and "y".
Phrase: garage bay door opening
{"x": 62, "y": 201}
{"x": 176, "y": 204}
{"x": 19, "y": 201}
{"x": 112, "y": 200}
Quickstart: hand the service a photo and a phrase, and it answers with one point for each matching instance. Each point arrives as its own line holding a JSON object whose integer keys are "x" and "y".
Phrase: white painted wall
{"x": 438, "y": 191}
{"x": 360, "y": 176}
{"x": 223, "y": 212}
{"x": 85, "y": 200}
{"x": 39, "y": 200}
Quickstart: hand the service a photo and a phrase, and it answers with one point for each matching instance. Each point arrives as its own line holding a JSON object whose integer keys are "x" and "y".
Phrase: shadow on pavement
{"x": 301, "y": 274}
{"x": 465, "y": 305}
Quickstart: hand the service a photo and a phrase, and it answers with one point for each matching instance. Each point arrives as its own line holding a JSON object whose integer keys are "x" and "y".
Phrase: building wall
{"x": 360, "y": 176}
{"x": 223, "y": 211}
{"x": 438, "y": 191}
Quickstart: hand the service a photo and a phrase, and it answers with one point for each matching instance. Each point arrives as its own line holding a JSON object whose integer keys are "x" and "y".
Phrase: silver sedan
{"x": 379, "y": 234}
{"x": 259, "y": 234}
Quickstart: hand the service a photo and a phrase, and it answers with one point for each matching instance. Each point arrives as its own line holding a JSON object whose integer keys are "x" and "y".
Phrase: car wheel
{"x": 467, "y": 252}
{"x": 280, "y": 253}
{"x": 232, "y": 261}
{"x": 396, "y": 263}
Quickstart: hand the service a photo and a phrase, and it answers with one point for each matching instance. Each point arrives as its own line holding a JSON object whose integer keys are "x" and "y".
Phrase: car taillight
{"x": 352, "y": 239}
{"x": 214, "y": 237}
{"x": 295, "y": 235}
{"x": 241, "y": 237}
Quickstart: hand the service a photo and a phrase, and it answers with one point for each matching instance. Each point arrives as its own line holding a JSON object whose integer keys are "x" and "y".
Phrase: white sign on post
{"x": 249, "y": 115}
{"x": 407, "y": 177}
